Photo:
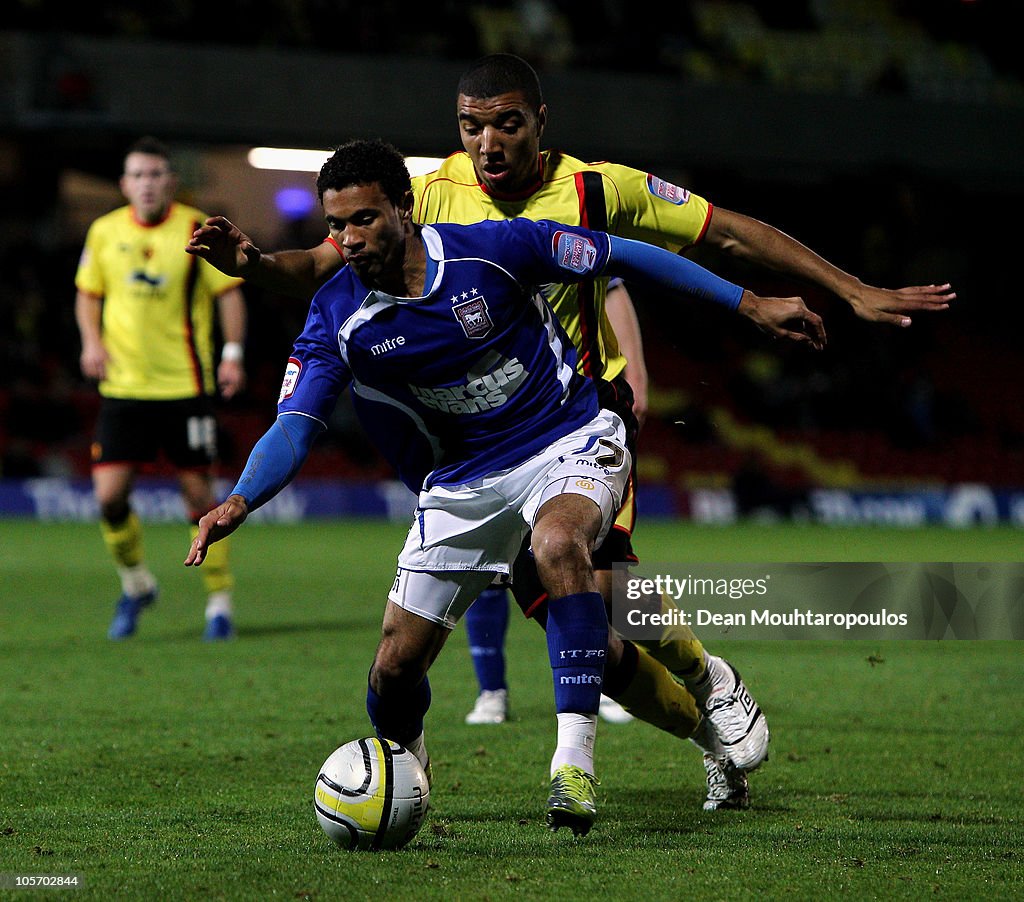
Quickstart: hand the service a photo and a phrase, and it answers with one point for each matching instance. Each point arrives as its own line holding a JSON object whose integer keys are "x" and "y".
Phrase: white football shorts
{"x": 462, "y": 536}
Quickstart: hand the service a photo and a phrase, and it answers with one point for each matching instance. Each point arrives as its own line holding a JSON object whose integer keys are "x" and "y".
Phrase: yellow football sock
{"x": 215, "y": 571}
{"x": 654, "y": 697}
{"x": 677, "y": 648}
{"x": 124, "y": 540}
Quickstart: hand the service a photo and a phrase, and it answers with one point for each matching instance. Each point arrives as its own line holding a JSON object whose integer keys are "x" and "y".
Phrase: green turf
{"x": 166, "y": 768}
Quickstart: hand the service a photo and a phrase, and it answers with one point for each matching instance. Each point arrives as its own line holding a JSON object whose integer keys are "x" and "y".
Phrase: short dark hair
{"x": 154, "y": 147}
{"x": 366, "y": 163}
{"x": 499, "y": 73}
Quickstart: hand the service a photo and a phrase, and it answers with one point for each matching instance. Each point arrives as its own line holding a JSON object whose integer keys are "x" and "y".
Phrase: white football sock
{"x": 218, "y": 603}
{"x": 137, "y": 580}
{"x": 419, "y": 748}
{"x": 576, "y": 735}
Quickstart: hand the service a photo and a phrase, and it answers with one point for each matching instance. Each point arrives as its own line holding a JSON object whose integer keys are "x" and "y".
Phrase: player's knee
{"x": 114, "y": 510}
{"x": 560, "y": 549}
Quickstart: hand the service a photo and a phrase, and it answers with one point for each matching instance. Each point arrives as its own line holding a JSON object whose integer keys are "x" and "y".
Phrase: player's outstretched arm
{"x": 298, "y": 273}
{"x": 782, "y": 317}
{"x": 892, "y": 305}
{"x": 787, "y": 318}
{"x": 222, "y": 243}
{"x": 757, "y": 242}
{"x": 272, "y": 464}
{"x": 214, "y": 526}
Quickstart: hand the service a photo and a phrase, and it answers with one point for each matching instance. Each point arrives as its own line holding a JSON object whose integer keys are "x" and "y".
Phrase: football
{"x": 371, "y": 794}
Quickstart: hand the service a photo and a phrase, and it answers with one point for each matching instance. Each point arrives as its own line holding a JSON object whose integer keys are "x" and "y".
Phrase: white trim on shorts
{"x": 464, "y": 535}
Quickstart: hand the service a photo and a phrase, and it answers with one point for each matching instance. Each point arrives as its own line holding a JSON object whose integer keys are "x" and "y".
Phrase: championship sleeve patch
{"x": 291, "y": 378}
{"x": 667, "y": 191}
{"x": 574, "y": 252}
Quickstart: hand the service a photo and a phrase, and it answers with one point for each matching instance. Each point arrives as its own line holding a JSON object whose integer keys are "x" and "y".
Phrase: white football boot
{"x": 727, "y": 785}
{"x": 733, "y": 714}
{"x": 491, "y": 707}
{"x": 612, "y": 711}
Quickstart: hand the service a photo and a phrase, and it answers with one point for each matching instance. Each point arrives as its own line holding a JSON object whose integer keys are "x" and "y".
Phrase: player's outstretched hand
{"x": 787, "y": 318}
{"x": 886, "y": 305}
{"x": 218, "y": 523}
{"x": 222, "y": 243}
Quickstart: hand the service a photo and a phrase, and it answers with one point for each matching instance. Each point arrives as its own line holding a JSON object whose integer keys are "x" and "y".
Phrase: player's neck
{"x": 410, "y": 280}
{"x": 528, "y": 186}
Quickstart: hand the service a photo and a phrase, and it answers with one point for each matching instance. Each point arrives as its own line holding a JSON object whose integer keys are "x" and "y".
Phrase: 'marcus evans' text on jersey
{"x": 474, "y": 377}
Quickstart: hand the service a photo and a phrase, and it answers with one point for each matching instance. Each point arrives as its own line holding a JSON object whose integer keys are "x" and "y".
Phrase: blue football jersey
{"x": 474, "y": 377}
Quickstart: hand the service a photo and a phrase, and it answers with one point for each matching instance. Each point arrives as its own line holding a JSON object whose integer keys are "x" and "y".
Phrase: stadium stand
{"x": 923, "y": 407}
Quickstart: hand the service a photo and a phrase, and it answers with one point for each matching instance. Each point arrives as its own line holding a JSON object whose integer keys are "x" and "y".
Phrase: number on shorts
{"x": 613, "y": 459}
{"x": 202, "y": 433}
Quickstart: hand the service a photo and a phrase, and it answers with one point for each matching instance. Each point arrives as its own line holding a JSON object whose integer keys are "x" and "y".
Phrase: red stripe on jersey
{"x": 704, "y": 228}
{"x": 190, "y": 336}
{"x": 589, "y": 190}
{"x": 581, "y": 193}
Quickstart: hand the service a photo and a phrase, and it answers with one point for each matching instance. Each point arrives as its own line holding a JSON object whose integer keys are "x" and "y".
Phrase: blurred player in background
{"x": 504, "y": 174}
{"x": 145, "y": 312}
{"x": 463, "y": 377}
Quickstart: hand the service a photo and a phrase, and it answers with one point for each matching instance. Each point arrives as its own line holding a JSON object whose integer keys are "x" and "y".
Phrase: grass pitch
{"x": 166, "y": 768}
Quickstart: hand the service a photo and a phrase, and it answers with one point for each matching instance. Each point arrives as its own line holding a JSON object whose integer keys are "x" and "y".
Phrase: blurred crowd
{"x": 933, "y": 402}
{"x": 931, "y": 48}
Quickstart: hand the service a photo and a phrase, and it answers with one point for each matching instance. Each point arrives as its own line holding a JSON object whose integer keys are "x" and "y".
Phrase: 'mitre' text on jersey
{"x": 474, "y": 377}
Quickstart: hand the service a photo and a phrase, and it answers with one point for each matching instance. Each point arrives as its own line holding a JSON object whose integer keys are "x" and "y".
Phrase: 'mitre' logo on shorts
{"x": 291, "y": 379}
{"x": 667, "y": 191}
{"x": 574, "y": 252}
{"x": 473, "y": 316}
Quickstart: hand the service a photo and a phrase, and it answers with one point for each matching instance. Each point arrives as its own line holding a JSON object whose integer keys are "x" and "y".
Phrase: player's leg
{"x": 642, "y": 685}
{"x": 486, "y": 623}
{"x": 121, "y": 442}
{"x": 122, "y": 534}
{"x": 715, "y": 685}
{"x": 645, "y": 688}
{"x": 720, "y": 694}
{"x": 190, "y": 440}
{"x": 564, "y": 531}
{"x": 422, "y": 610}
{"x": 218, "y": 580}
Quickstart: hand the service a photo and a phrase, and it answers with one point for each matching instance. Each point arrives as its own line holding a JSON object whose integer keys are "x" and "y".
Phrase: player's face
{"x": 370, "y": 230}
{"x": 502, "y": 136}
{"x": 149, "y": 185}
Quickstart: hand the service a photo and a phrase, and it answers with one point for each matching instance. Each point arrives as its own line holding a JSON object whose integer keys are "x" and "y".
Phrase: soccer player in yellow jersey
{"x": 145, "y": 312}
{"x": 503, "y": 173}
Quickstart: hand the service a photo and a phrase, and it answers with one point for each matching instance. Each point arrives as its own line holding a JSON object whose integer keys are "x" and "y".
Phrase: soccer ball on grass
{"x": 371, "y": 794}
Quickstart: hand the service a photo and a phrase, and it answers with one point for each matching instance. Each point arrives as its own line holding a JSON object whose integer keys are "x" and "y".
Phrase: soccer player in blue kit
{"x": 465, "y": 379}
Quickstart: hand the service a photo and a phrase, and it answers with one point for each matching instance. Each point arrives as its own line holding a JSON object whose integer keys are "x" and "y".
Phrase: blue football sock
{"x": 486, "y": 624}
{"x": 577, "y": 641}
{"x": 399, "y": 715}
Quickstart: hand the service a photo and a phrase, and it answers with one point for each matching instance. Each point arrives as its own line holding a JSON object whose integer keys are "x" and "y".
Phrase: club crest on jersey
{"x": 474, "y": 317}
{"x": 667, "y": 191}
{"x": 291, "y": 379}
{"x": 574, "y": 252}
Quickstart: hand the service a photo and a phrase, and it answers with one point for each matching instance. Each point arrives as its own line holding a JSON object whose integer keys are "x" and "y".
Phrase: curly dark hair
{"x": 365, "y": 163}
